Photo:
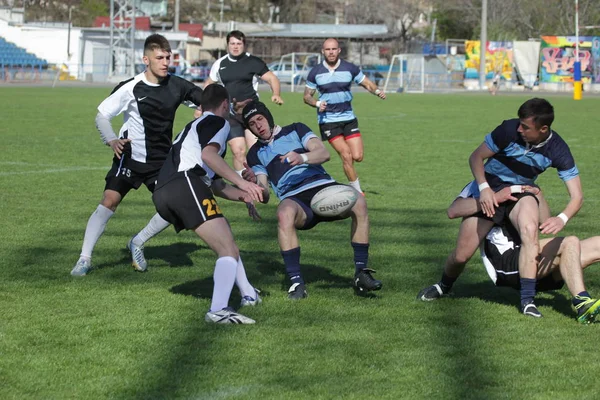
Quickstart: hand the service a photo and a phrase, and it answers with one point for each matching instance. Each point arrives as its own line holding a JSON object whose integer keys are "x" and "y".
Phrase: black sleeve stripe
{"x": 120, "y": 85}
{"x": 208, "y": 128}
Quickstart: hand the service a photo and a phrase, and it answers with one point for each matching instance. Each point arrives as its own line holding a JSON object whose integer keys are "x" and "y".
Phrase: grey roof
{"x": 324, "y": 31}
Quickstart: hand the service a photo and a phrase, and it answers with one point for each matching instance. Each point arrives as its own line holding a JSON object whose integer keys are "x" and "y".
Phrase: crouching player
{"x": 183, "y": 196}
{"x": 290, "y": 157}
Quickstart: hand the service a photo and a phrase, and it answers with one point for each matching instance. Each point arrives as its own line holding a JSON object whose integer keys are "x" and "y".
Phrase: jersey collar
{"x": 237, "y": 59}
{"x": 337, "y": 64}
{"x": 541, "y": 144}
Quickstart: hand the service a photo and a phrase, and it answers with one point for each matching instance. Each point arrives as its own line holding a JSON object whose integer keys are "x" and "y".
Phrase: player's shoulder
{"x": 128, "y": 84}
{"x": 348, "y": 66}
{"x": 508, "y": 127}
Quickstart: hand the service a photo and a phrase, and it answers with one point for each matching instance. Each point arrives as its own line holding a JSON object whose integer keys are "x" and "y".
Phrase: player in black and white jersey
{"x": 183, "y": 196}
{"x": 149, "y": 102}
{"x": 238, "y": 72}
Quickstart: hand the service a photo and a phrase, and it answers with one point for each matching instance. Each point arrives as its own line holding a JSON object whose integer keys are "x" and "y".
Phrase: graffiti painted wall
{"x": 557, "y": 57}
{"x": 596, "y": 59}
{"x": 498, "y": 58}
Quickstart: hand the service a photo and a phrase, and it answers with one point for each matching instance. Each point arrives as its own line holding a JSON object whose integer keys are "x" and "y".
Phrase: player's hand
{"x": 118, "y": 145}
{"x": 254, "y": 191}
{"x": 531, "y": 189}
{"x": 291, "y": 158}
{"x": 238, "y": 106}
{"x": 488, "y": 202}
{"x": 381, "y": 94}
{"x": 552, "y": 226}
{"x": 252, "y": 211}
{"x": 504, "y": 195}
{"x": 322, "y": 106}
{"x": 277, "y": 99}
{"x": 248, "y": 174}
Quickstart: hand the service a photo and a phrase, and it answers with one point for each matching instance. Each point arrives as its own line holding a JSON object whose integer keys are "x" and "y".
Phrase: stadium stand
{"x": 13, "y": 58}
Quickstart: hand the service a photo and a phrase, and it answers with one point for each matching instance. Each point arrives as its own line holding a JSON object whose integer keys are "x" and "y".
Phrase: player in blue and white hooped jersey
{"x": 149, "y": 102}
{"x": 517, "y": 152}
{"x": 290, "y": 158}
{"x": 333, "y": 80}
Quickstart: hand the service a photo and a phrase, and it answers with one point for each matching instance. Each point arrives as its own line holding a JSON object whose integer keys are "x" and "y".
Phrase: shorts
{"x": 236, "y": 129}
{"x": 124, "y": 176}
{"x": 186, "y": 202}
{"x": 502, "y": 211}
{"x": 304, "y": 198}
{"x": 503, "y": 269}
{"x": 331, "y": 130}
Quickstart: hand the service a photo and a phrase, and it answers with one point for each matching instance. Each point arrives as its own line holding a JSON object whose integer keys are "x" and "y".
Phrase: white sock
{"x": 156, "y": 225}
{"x": 241, "y": 280}
{"x": 355, "y": 185}
{"x": 95, "y": 229}
{"x": 240, "y": 171}
{"x": 224, "y": 277}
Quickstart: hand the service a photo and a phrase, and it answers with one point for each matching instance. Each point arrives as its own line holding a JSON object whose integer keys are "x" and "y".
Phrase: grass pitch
{"x": 120, "y": 334}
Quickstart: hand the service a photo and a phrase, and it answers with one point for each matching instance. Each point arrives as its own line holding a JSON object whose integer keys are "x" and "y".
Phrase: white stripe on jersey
{"x": 195, "y": 197}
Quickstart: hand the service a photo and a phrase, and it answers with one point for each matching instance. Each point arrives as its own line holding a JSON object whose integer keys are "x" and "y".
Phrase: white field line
{"x": 53, "y": 171}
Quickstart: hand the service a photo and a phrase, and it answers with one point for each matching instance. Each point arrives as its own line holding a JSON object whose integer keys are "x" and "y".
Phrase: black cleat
{"x": 297, "y": 291}
{"x": 431, "y": 293}
{"x": 530, "y": 310}
{"x": 364, "y": 281}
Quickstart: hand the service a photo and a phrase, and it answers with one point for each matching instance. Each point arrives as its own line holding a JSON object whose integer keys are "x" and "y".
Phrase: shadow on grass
{"x": 176, "y": 255}
{"x": 510, "y": 297}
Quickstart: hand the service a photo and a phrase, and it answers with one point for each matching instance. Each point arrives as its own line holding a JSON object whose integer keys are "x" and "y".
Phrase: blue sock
{"x": 527, "y": 290}
{"x": 577, "y": 301}
{"x": 446, "y": 282}
{"x": 291, "y": 259}
{"x": 361, "y": 255}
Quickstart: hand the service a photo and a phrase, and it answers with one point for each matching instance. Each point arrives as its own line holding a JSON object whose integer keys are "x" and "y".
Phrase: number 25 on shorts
{"x": 212, "y": 207}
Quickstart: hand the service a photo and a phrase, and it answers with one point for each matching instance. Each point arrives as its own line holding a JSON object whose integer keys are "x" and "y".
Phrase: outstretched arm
{"x": 372, "y": 87}
{"x": 275, "y": 85}
{"x": 555, "y": 224}
{"x": 317, "y": 154}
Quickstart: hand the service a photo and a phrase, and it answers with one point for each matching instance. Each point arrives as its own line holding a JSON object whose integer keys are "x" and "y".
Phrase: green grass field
{"x": 119, "y": 334}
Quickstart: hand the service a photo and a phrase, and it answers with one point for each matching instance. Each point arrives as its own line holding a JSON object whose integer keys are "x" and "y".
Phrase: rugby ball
{"x": 334, "y": 201}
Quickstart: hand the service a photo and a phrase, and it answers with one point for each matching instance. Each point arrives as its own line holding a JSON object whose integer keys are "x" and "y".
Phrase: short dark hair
{"x": 540, "y": 109}
{"x": 213, "y": 96}
{"x": 239, "y": 35}
{"x": 156, "y": 42}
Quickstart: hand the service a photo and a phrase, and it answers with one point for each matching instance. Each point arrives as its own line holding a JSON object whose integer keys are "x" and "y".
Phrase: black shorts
{"x": 125, "y": 175}
{"x": 236, "y": 129}
{"x": 331, "y": 130}
{"x": 503, "y": 210}
{"x": 507, "y": 271}
{"x": 186, "y": 202}
{"x": 304, "y": 198}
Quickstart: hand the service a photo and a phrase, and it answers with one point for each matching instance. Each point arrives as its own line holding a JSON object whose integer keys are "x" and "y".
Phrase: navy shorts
{"x": 125, "y": 175}
{"x": 304, "y": 198}
{"x": 331, "y": 130}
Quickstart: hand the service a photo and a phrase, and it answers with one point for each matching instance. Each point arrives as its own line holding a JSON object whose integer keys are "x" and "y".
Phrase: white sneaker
{"x": 138, "y": 261}
{"x": 251, "y": 301}
{"x": 227, "y": 316}
{"x": 82, "y": 267}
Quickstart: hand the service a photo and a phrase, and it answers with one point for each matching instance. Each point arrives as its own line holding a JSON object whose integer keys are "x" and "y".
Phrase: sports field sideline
{"x": 120, "y": 334}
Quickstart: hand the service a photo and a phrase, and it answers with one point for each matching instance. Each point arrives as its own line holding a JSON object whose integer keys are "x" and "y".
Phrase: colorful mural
{"x": 557, "y": 57}
{"x": 596, "y": 59}
{"x": 498, "y": 58}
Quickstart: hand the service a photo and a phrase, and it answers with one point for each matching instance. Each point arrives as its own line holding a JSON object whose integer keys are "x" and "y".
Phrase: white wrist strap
{"x": 484, "y": 185}
{"x": 516, "y": 189}
{"x": 318, "y": 103}
{"x": 304, "y": 158}
{"x": 564, "y": 218}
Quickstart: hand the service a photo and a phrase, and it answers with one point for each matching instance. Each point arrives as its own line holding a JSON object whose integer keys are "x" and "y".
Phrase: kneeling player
{"x": 291, "y": 157}
{"x": 183, "y": 196}
{"x": 561, "y": 260}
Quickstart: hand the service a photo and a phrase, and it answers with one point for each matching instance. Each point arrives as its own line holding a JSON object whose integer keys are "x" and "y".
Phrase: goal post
{"x": 293, "y": 68}
{"x": 406, "y": 74}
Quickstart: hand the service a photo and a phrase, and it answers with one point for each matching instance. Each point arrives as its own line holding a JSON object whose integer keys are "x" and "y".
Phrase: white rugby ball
{"x": 334, "y": 200}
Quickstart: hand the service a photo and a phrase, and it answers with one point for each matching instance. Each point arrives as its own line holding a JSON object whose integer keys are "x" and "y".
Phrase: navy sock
{"x": 361, "y": 255}
{"x": 446, "y": 282}
{"x": 291, "y": 259}
{"x": 577, "y": 301}
{"x": 527, "y": 290}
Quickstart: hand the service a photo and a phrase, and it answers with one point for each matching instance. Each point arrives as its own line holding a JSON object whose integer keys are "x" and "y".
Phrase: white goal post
{"x": 293, "y": 68}
{"x": 406, "y": 74}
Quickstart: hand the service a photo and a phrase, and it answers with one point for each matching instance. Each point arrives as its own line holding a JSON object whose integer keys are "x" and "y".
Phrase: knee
{"x": 570, "y": 242}
{"x": 529, "y": 232}
{"x": 239, "y": 152}
{"x": 360, "y": 208}
{"x": 346, "y": 156}
{"x": 358, "y": 157}
{"x": 285, "y": 218}
{"x": 111, "y": 201}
